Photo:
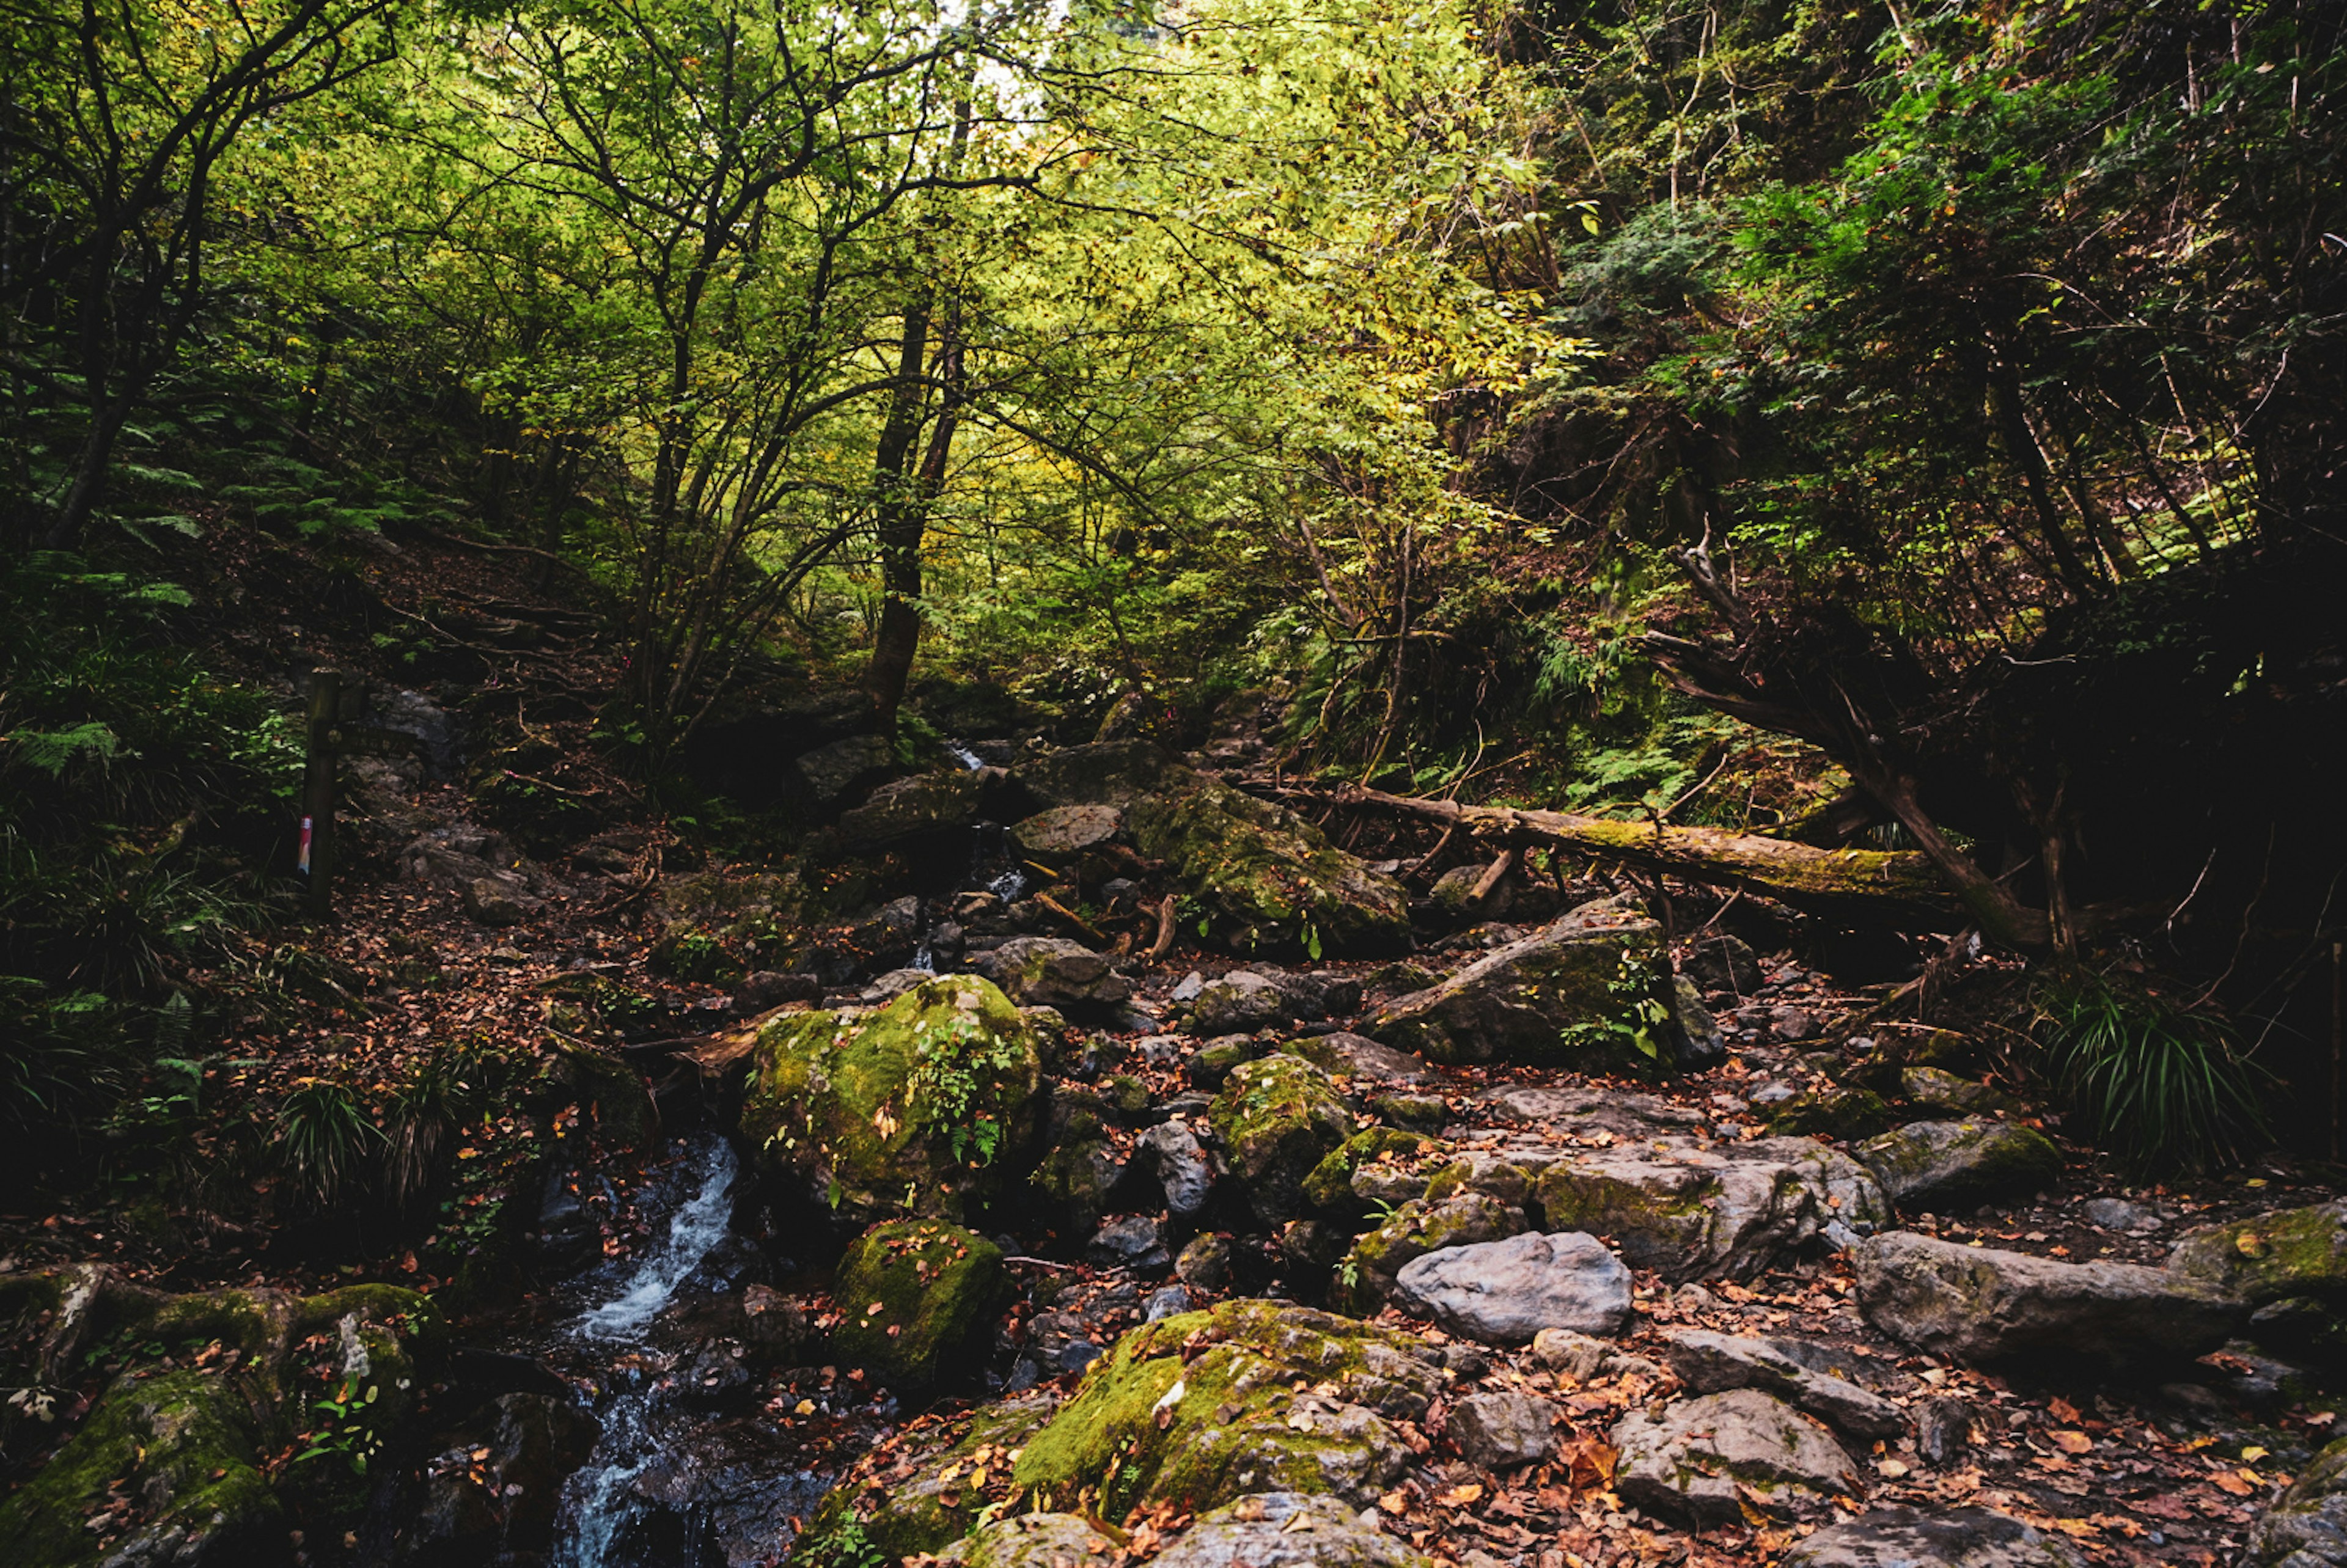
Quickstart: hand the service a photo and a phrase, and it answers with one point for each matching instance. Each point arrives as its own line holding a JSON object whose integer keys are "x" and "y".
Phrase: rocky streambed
{"x": 1551, "y": 1240}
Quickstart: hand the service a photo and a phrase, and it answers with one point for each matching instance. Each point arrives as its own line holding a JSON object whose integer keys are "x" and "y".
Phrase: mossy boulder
{"x": 1589, "y": 990}
{"x": 1836, "y": 1113}
{"x": 925, "y": 1490}
{"x": 927, "y": 1106}
{"x": 1279, "y": 1117}
{"x": 166, "y": 1467}
{"x": 165, "y": 1470}
{"x": 1936, "y": 1088}
{"x": 1330, "y": 1186}
{"x": 912, "y": 1295}
{"x": 1958, "y": 1166}
{"x": 1264, "y": 881}
{"x": 1201, "y": 1407}
{"x": 1694, "y": 1211}
{"x": 2272, "y": 1256}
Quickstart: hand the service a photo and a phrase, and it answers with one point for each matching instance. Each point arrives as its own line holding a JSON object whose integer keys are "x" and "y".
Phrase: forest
{"x": 1534, "y": 782}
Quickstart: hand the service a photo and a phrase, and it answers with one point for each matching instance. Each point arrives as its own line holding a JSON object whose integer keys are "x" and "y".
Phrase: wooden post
{"x": 317, "y": 844}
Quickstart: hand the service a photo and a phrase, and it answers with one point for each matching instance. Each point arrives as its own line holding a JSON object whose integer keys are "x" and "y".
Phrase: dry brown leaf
{"x": 2074, "y": 1443}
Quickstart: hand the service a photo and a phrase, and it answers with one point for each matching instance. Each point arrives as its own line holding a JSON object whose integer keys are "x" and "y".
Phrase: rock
{"x": 1944, "y": 1429}
{"x": 1709, "y": 1363}
{"x": 1725, "y": 963}
{"x": 1836, "y": 1113}
{"x": 913, "y": 1295}
{"x": 1356, "y": 1056}
{"x": 1700, "y": 1043}
{"x": 1586, "y": 1358}
{"x": 895, "y": 983}
{"x": 1956, "y": 1538}
{"x": 1330, "y": 1186}
{"x": 500, "y": 900}
{"x": 1505, "y": 1292}
{"x": 1239, "y": 1002}
{"x": 1453, "y": 893}
{"x": 770, "y": 989}
{"x": 1130, "y": 1241}
{"x": 1062, "y": 835}
{"x": 1052, "y": 971}
{"x": 1183, "y": 1170}
{"x": 1115, "y": 772}
{"x": 927, "y": 813}
{"x": 1366, "y": 1278}
{"x": 837, "y": 773}
{"x": 1558, "y": 997}
{"x": 1204, "y": 1262}
{"x": 1199, "y": 1409}
{"x": 1792, "y": 1025}
{"x": 1936, "y": 1088}
{"x": 1278, "y": 1118}
{"x": 1266, "y": 881}
{"x": 1421, "y": 1112}
{"x": 1497, "y": 1431}
{"x": 1080, "y": 1175}
{"x": 1167, "y": 1302}
{"x": 923, "y": 1104}
{"x": 2306, "y": 1527}
{"x": 1982, "y": 1304}
{"x": 1938, "y": 1166}
{"x": 625, "y": 1113}
{"x": 1691, "y": 1211}
{"x": 1703, "y": 1459}
{"x": 1029, "y": 1541}
{"x": 2118, "y": 1214}
{"x": 2287, "y": 1253}
{"x": 1212, "y": 1063}
{"x": 1287, "y": 1530}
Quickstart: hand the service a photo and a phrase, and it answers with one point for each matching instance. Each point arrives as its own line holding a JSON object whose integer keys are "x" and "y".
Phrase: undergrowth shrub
{"x": 2160, "y": 1087}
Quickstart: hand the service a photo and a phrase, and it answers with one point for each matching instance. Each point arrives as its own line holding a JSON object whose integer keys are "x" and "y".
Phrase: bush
{"x": 2158, "y": 1086}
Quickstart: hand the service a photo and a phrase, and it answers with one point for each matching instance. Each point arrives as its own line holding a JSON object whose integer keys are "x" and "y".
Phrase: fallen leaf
{"x": 2063, "y": 1410}
{"x": 1459, "y": 1496}
{"x": 1891, "y": 1468}
{"x": 2074, "y": 1443}
{"x": 2251, "y": 1454}
{"x": 1395, "y": 1503}
{"x": 2233, "y": 1482}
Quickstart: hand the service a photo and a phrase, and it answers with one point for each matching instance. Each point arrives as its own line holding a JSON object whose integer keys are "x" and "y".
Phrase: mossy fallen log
{"x": 1895, "y": 885}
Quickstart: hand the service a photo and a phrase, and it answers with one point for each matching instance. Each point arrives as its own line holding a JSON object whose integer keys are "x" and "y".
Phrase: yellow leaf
{"x": 1459, "y": 1496}
{"x": 2072, "y": 1442}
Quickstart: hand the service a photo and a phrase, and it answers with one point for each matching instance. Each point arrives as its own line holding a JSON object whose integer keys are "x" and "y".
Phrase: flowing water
{"x": 672, "y": 1485}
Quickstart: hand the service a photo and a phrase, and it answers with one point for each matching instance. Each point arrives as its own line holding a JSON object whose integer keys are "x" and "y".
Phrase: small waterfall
{"x": 601, "y": 1501}
{"x": 969, "y": 760}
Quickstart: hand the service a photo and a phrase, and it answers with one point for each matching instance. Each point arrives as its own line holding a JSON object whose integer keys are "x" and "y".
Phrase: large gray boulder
{"x": 1287, "y": 1530}
{"x": 1277, "y": 1118}
{"x": 1238, "y": 1003}
{"x": 1703, "y": 1459}
{"x": 1564, "y": 996}
{"x": 1959, "y": 1538}
{"x": 2307, "y": 1525}
{"x": 1264, "y": 881}
{"x": 837, "y": 773}
{"x": 1983, "y": 1304}
{"x": 2286, "y": 1253}
{"x": 1112, "y": 773}
{"x": 1184, "y": 1169}
{"x": 1498, "y": 1430}
{"x": 1694, "y": 1212}
{"x": 1711, "y": 1363}
{"x": 1061, "y": 836}
{"x": 1505, "y": 1292}
{"x": 1366, "y": 1277}
{"x": 1028, "y": 1541}
{"x": 1959, "y": 1165}
{"x": 926, "y": 811}
{"x": 1054, "y": 972}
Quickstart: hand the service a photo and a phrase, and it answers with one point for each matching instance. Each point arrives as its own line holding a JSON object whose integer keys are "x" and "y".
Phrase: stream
{"x": 687, "y": 1472}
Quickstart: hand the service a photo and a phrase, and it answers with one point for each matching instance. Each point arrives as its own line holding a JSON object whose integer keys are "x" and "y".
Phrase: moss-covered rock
{"x": 1212, "y": 1063}
{"x": 1693, "y": 1211}
{"x": 1200, "y": 1408}
{"x": 1423, "y": 1112}
{"x": 1075, "y": 1181}
{"x": 1477, "y": 1171}
{"x": 1029, "y": 1540}
{"x": 1266, "y": 881}
{"x": 1836, "y": 1113}
{"x": 1330, "y": 1187}
{"x": 1589, "y": 990}
{"x": 927, "y": 1490}
{"x": 2288, "y": 1252}
{"x": 1958, "y": 1166}
{"x": 926, "y": 1107}
{"x": 912, "y": 1295}
{"x": 163, "y": 1472}
{"x": 1936, "y": 1088}
{"x": 1278, "y": 1118}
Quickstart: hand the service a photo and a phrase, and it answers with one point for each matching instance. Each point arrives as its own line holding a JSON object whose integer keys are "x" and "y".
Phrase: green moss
{"x": 933, "y": 1284}
{"x": 1510, "y": 1183}
{"x": 1212, "y": 1063}
{"x": 1126, "y": 1095}
{"x": 1591, "y": 997}
{"x": 1199, "y": 1409}
{"x": 2288, "y": 1252}
{"x": 1330, "y": 1185}
{"x": 918, "y": 1108}
{"x": 1364, "y": 1278}
{"x": 1277, "y": 1119}
{"x": 1929, "y": 1163}
{"x": 1655, "y": 1227}
{"x": 1835, "y": 1113}
{"x": 180, "y": 1449}
{"x": 1264, "y": 881}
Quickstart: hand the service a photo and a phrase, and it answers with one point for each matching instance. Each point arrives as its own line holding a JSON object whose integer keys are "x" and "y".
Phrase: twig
{"x": 1164, "y": 942}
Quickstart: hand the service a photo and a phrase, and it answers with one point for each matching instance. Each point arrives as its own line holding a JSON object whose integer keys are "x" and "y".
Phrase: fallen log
{"x": 1899, "y": 886}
